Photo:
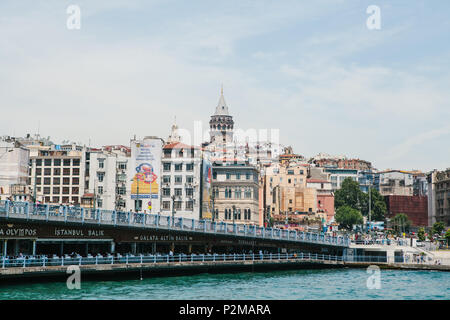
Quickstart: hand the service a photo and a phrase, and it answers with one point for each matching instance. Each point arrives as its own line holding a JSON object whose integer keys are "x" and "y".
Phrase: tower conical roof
{"x": 222, "y": 108}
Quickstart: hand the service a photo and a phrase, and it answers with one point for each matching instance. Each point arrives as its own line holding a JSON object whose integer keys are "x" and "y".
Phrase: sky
{"x": 312, "y": 69}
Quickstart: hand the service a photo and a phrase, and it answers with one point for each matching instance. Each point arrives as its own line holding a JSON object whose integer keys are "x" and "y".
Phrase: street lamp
{"x": 173, "y": 209}
{"x": 234, "y": 213}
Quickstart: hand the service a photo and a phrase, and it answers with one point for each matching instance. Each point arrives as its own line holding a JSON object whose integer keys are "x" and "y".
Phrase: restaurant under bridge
{"x": 42, "y": 229}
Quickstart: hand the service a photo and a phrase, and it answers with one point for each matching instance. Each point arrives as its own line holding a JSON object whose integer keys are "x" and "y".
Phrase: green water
{"x": 292, "y": 285}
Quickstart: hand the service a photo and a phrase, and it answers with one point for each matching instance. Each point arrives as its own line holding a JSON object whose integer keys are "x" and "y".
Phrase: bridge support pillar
{"x": 133, "y": 248}
{"x": 61, "y": 249}
{"x": 5, "y": 247}
{"x": 154, "y": 247}
{"x": 34, "y": 247}
{"x": 172, "y": 247}
{"x": 113, "y": 247}
{"x": 190, "y": 249}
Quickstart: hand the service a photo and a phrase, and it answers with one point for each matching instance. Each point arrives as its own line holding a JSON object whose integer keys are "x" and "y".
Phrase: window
{"x": 189, "y": 179}
{"x": 248, "y": 193}
{"x": 66, "y": 171}
{"x": 38, "y": 180}
{"x": 66, "y": 162}
{"x": 99, "y": 203}
{"x": 76, "y": 162}
{"x": 66, "y": 181}
{"x": 166, "y": 166}
{"x": 38, "y": 171}
{"x": 100, "y": 176}
{"x": 166, "y": 192}
{"x": 178, "y": 205}
{"x": 47, "y": 181}
{"x": 55, "y": 199}
{"x": 100, "y": 189}
{"x": 290, "y": 171}
{"x": 247, "y": 215}
{"x": 46, "y": 190}
{"x": 57, "y": 171}
{"x": 178, "y": 179}
{"x": 76, "y": 171}
{"x": 166, "y": 179}
{"x": 57, "y": 162}
{"x": 289, "y": 180}
{"x": 65, "y": 199}
{"x": 189, "y": 167}
{"x": 227, "y": 193}
{"x": 121, "y": 190}
{"x": 228, "y": 176}
{"x": 167, "y": 153}
{"x": 301, "y": 171}
{"x": 237, "y": 215}
{"x": 237, "y": 193}
{"x": 56, "y": 190}
{"x": 75, "y": 190}
{"x": 248, "y": 176}
{"x": 238, "y": 176}
{"x": 227, "y": 214}
{"x": 178, "y": 166}
{"x": 122, "y": 165}
{"x": 75, "y": 181}
{"x": 166, "y": 205}
{"x": 38, "y": 162}
{"x": 101, "y": 163}
{"x": 178, "y": 192}
{"x": 189, "y": 205}
{"x": 47, "y": 162}
{"x": 189, "y": 192}
{"x": 214, "y": 175}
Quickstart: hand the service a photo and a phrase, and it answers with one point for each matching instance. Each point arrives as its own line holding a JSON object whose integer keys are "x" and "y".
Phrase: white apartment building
{"x": 57, "y": 173}
{"x": 13, "y": 170}
{"x": 180, "y": 180}
{"x": 107, "y": 179}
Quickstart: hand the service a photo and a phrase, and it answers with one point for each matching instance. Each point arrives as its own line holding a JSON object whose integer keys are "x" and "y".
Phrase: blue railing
{"x": 47, "y": 212}
{"x": 44, "y": 261}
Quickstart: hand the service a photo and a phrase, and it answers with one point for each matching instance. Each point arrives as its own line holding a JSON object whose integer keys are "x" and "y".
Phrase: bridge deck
{"x": 79, "y": 216}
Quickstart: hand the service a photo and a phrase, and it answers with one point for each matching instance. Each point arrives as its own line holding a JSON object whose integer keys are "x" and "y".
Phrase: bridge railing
{"x": 110, "y": 217}
{"x": 44, "y": 261}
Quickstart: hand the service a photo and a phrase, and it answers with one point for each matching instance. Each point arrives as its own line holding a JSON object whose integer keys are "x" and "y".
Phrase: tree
{"x": 401, "y": 223}
{"x": 378, "y": 205}
{"x": 447, "y": 236}
{"x": 347, "y": 217}
{"x": 421, "y": 234}
{"x": 438, "y": 227}
{"x": 349, "y": 195}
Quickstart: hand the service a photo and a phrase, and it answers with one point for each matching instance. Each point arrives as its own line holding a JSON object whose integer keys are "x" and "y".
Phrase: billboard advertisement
{"x": 207, "y": 205}
{"x": 145, "y": 174}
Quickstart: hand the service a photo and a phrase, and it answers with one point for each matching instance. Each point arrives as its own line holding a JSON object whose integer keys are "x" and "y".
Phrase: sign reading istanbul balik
{"x": 146, "y": 155}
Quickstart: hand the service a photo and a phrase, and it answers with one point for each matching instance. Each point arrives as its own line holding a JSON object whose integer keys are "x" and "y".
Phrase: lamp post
{"x": 234, "y": 213}
{"x": 173, "y": 209}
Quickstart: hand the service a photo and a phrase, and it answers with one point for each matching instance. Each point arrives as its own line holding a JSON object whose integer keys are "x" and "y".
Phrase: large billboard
{"x": 207, "y": 205}
{"x": 146, "y": 155}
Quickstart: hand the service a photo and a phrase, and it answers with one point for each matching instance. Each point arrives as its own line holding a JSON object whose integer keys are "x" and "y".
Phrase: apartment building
{"x": 107, "y": 179}
{"x": 439, "y": 197}
{"x": 394, "y": 182}
{"x": 14, "y": 160}
{"x": 180, "y": 180}
{"x": 57, "y": 173}
{"x": 235, "y": 191}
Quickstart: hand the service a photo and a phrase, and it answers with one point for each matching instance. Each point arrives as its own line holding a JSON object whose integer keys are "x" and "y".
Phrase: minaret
{"x": 221, "y": 124}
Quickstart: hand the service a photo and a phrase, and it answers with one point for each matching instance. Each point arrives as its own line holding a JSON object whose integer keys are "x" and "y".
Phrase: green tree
{"x": 438, "y": 227}
{"x": 349, "y": 195}
{"x": 447, "y": 236}
{"x": 378, "y": 205}
{"x": 421, "y": 234}
{"x": 347, "y": 217}
{"x": 401, "y": 223}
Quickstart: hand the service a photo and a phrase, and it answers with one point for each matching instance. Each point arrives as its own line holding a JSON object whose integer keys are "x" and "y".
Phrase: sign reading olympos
{"x": 17, "y": 232}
